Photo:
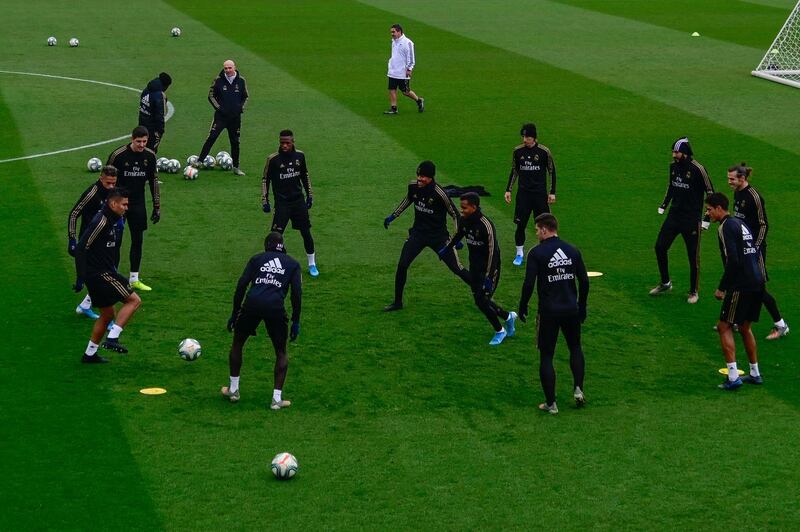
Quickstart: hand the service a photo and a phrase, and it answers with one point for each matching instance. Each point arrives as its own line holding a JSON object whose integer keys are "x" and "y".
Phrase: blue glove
{"x": 231, "y": 322}
{"x": 309, "y": 202}
{"x": 266, "y": 207}
{"x": 487, "y": 284}
{"x": 295, "y": 332}
{"x": 442, "y": 252}
{"x": 78, "y": 286}
{"x": 72, "y": 245}
{"x": 459, "y": 244}
{"x": 389, "y": 219}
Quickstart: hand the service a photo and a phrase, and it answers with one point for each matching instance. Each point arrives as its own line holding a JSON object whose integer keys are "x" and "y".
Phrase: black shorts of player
{"x": 136, "y": 218}
{"x": 739, "y": 307}
{"x": 548, "y": 327}
{"x": 403, "y": 85}
{"x": 108, "y": 288}
{"x": 530, "y": 203}
{"x": 276, "y": 323}
{"x": 296, "y": 211}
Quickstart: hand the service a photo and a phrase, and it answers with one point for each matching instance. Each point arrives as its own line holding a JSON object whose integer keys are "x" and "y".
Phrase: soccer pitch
{"x": 404, "y": 420}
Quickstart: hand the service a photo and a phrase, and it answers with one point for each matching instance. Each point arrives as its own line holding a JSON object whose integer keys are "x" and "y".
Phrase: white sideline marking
{"x": 170, "y": 112}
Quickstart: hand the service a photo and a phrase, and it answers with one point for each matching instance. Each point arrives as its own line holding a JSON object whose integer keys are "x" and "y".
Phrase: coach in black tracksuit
{"x": 553, "y": 268}
{"x": 228, "y": 96}
{"x": 260, "y": 294}
{"x": 484, "y": 261}
{"x": 432, "y": 206}
{"x": 153, "y": 109}
{"x": 688, "y": 186}
{"x": 136, "y": 166}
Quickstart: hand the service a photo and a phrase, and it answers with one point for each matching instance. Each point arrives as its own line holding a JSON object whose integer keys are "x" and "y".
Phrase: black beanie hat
{"x": 165, "y": 79}
{"x": 528, "y": 130}
{"x": 427, "y": 169}
{"x": 682, "y": 145}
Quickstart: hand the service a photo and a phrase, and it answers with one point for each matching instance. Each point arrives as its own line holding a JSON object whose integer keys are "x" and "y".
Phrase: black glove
{"x": 459, "y": 244}
{"x": 309, "y": 202}
{"x": 156, "y": 216}
{"x": 522, "y": 314}
{"x": 582, "y": 314}
{"x": 231, "y": 323}
{"x": 266, "y": 207}
{"x": 389, "y": 219}
{"x": 72, "y": 245}
{"x": 295, "y": 332}
{"x": 78, "y": 286}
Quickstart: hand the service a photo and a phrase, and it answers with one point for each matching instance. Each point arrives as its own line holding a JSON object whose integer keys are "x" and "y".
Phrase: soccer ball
{"x": 175, "y": 32}
{"x": 173, "y": 166}
{"x": 209, "y": 162}
{"x": 226, "y": 163}
{"x": 74, "y": 42}
{"x": 161, "y": 164}
{"x": 190, "y": 173}
{"x": 284, "y": 466}
{"x": 190, "y": 349}
{"x": 192, "y": 159}
{"x": 94, "y": 164}
{"x": 52, "y": 41}
{"x": 222, "y": 155}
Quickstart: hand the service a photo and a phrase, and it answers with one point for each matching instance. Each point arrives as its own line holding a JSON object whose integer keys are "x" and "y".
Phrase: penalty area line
{"x": 170, "y": 112}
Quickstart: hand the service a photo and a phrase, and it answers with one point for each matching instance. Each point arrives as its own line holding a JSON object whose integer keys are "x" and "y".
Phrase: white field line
{"x": 170, "y": 112}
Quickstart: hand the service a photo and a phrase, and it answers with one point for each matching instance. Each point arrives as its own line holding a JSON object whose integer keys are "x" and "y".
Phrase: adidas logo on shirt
{"x": 274, "y": 266}
{"x": 746, "y": 233}
{"x": 559, "y": 258}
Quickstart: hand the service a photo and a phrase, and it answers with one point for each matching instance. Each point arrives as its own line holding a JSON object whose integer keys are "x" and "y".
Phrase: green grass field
{"x": 407, "y": 420}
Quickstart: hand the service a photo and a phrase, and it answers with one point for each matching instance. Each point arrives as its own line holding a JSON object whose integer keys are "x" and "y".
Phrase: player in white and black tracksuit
{"x": 688, "y": 186}
{"x": 748, "y": 206}
{"x": 554, "y": 267}
{"x": 286, "y": 173}
{"x": 95, "y": 265}
{"x": 260, "y": 293}
{"x": 432, "y": 206}
{"x": 228, "y": 96}
{"x": 136, "y": 166}
{"x": 153, "y": 109}
{"x": 484, "y": 261}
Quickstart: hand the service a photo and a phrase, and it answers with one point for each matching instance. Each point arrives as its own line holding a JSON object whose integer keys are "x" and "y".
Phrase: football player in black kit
{"x": 269, "y": 276}
{"x": 556, "y": 266}
{"x": 86, "y": 208}
{"x": 740, "y": 289}
{"x": 136, "y": 165}
{"x": 748, "y": 206}
{"x": 688, "y": 185}
{"x": 153, "y": 109}
{"x": 432, "y": 206}
{"x": 95, "y": 263}
{"x": 530, "y": 163}
{"x": 484, "y": 264}
{"x": 287, "y": 172}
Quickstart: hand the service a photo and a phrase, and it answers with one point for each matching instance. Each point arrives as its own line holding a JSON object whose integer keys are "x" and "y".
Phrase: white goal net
{"x": 781, "y": 63}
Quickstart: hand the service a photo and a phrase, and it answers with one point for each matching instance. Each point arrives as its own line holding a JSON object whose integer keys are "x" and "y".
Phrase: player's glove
{"x": 295, "y": 332}
{"x": 156, "y": 216}
{"x": 705, "y": 224}
{"x": 487, "y": 284}
{"x": 78, "y": 286}
{"x": 389, "y": 219}
{"x": 309, "y": 202}
{"x": 661, "y": 210}
{"x": 72, "y": 245}
{"x": 231, "y": 323}
{"x": 266, "y": 207}
{"x": 522, "y": 314}
{"x": 459, "y": 244}
{"x": 582, "y": 314}
{"x": 442, "y": 252}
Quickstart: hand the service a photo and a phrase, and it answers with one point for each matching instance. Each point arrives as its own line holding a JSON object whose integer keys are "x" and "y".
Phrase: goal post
{"x": 781, "y": 63}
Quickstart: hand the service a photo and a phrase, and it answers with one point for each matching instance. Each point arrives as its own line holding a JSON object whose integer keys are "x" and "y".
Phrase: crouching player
{"x": 269, "y": 276}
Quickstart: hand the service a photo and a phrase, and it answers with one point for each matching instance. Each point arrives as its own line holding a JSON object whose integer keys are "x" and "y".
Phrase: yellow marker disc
{"x": 724, "y": 371}
{"x": 152, "y": 391}
{"x": 594, "y": 274}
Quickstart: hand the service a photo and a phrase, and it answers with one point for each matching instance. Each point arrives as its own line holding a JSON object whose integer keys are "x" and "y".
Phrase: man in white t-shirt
{"x": 401, "y": 64}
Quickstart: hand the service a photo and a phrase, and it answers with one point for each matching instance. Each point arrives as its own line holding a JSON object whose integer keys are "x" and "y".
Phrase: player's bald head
{"x": 229, "y": 64}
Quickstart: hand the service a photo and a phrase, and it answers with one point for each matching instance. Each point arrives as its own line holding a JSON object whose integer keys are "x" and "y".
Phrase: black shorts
{"x": 404, "y": 85}
{"x": 739, "y": 307}
{"x": 276, "y": 322}
{"x": 527, "y": 203}
{"x": 108, "y": 288}
{"x": 137, "y": 217}
{"x": 547, "y": 328}
{"x": 296, "y": 211}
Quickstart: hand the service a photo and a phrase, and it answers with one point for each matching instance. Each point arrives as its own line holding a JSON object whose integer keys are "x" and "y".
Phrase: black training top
{"x": 226, "y": 98}
{"x": 96, "y": 252}
{"x": 269, "y": 275}
{"x": 688, "y": 186}
{"x": 531, "y": 166}
{"x": 739, "y": 256}
{"x": 556, "y": 266}
{"x": 134, "y": 169}
{"x": 748, "y": 206}
{"x": 432, "y": 206}
{"x": 484, "y": 251}
{"x": 86, "y": 207}
{"x": 287, "y": 173}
